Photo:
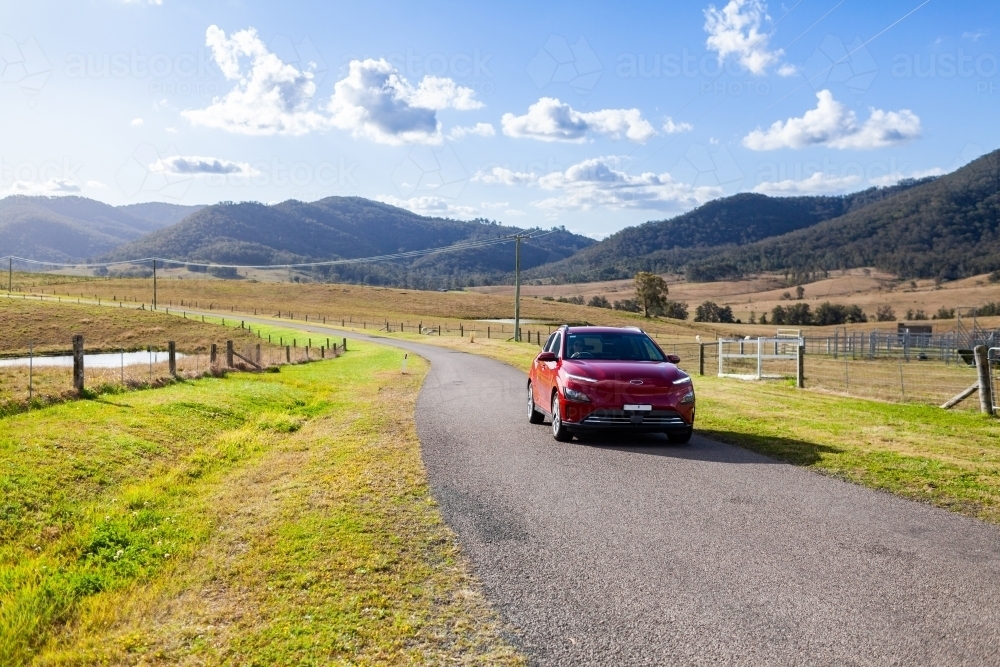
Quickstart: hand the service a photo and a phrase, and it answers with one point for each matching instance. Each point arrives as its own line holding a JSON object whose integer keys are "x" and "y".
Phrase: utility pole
{"x": 10, "y": 275}
{"x": 154, "y": 284}
{"x": 517, "y": 285}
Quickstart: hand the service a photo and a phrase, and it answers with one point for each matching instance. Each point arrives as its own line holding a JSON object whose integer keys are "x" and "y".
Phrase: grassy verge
{"x": 256, "y": 519}
{"x": 948, "y": 458}
{"x": 50, "y": 326}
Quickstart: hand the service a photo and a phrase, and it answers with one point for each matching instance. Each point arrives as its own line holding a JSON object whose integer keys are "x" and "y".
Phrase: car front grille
{"x": 622, "y": 418}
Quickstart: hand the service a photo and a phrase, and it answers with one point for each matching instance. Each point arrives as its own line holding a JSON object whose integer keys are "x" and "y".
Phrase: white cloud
{"x": 137, "y": 122}
{"x": 817, "y": 184}
{"x": 376, "y": 102}
{"x": 270, "y": 97}
{"x": 670, "y": 127}
{"x": 53, "y": 187}
{"x": 194, "y": 165}
{"x": 504, "y": 176}
{"x": 833, "y": 125}
{"x": 95, "y": 184}
{"x": 735, "y": 30}
{"x": 596, "y": 183}
{"x": 975, "y": 36}
{"x": 431, "y": 206}
{"x": 896, "y": 177}
{"x": 171, "y": 130}
{"x": 479, "y": 129}
{"x": 548, "y": 119}
{"x": 788, "y": 70}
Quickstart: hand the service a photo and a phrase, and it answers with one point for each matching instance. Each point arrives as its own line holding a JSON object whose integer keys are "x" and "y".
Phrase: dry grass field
{"x": 374, "y": 306}
{"x": 50, "y": 328}
{"x": 867, "y": 288}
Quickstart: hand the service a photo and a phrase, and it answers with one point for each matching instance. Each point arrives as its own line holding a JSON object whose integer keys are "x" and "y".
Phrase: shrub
{"x": 675, "y": 310}
{"x": 599, "y": 302}
{"x": 944, "y": 314}
{"x": 627, "y": 305}
{"x": 885, "y": 314}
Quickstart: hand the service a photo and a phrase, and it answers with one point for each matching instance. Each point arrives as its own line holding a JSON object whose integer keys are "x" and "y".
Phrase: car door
{"x": 547, "y": 372}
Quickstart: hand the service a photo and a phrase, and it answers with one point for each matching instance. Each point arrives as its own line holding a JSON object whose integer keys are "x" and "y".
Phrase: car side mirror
{"x": 546, "y": 356}
{"x": 673, "y": 358}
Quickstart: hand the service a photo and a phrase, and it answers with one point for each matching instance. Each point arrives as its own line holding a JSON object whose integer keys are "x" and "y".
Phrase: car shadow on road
{"x": 715, "y": 447}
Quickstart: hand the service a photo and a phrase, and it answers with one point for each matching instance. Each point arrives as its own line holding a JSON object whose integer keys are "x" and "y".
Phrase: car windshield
{"x": 612, "y": 347}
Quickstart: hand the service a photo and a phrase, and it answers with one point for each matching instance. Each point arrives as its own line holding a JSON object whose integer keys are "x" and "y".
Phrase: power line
{"x": 482, "y": 243}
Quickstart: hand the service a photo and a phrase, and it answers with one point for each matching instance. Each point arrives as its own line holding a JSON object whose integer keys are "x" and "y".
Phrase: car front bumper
{"x": 610, "y": 419}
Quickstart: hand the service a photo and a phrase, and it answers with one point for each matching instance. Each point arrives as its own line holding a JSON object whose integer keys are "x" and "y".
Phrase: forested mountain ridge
{"x": 945, "y": 228}
{"x": 348, "y": 228}
{"x": 669, "y": 245}
{"x": 68, "y": 229}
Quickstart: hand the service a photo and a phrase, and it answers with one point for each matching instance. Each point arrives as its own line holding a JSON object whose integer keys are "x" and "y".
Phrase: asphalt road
{"x": 632, "y": 551}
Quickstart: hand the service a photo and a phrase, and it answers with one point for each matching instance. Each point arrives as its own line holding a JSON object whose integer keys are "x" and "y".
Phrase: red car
{"x": 589, "y": 379}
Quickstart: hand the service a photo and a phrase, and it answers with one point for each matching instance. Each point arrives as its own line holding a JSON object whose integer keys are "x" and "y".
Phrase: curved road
{"x": 632, "y": 551}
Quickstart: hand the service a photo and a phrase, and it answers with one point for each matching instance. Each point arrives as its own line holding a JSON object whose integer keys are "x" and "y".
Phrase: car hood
{"x": 650, "y": 372}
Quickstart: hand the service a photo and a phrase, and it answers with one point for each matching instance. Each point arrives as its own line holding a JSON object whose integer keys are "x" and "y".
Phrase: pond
{"x": 113, "y": 360}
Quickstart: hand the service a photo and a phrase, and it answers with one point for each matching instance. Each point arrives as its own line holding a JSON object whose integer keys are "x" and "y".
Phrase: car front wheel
{"x": 559, "y": 430}
{"x": 680, "y": 436}
{"x": 534, "y": 416}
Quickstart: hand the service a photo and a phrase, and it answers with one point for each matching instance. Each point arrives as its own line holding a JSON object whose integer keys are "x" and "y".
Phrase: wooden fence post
{"x": 78, "y": 364}
{"x": 229, "y": 353}
{"x": 985, "y": 386}
{"x": 800, "y": 366}
{"x": 213, "y": 354}
{"x": 345, "y": 345}
{"x": 701, "y": 358}
{"x": 288, "y": 354}
{"x": 172, "y": 357}
{"x": 257, "y": 358}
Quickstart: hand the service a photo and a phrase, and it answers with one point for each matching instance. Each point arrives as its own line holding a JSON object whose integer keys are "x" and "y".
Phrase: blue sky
{"x": 594, "y": 116}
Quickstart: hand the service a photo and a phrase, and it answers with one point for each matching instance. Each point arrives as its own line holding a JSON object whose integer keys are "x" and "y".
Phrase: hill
{"x": 159, "y": 213}
{"x": 945, "y": 228}
{"x": 346, "y": 228}
{"x": 669, "y": 245}
{"x": 69, "y": 229}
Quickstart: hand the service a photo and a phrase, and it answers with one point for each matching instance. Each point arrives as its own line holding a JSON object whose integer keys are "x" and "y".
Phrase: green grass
{"x": 254, "y": 519}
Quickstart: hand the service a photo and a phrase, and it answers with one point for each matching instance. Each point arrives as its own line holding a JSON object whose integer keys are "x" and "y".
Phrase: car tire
{"x": 534, "y": 416}
{"x": 680, "y": 436}
{"x": 559, "y": 430}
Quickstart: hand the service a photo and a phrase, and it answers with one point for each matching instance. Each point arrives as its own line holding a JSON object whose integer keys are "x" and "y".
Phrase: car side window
{"x": 557, "y": 345}
{"x": 548, "y": 344}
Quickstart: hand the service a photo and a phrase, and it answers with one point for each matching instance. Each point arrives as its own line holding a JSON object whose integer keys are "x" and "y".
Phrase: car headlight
{"x": 574, "y": 395}
{"x": 684, "y": 380}
{"x": 688, "y": 398}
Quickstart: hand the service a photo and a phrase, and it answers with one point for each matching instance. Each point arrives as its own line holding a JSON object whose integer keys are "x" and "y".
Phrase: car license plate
{"x": 638, "y": 408}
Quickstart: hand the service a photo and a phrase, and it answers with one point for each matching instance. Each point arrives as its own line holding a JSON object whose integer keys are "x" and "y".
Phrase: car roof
{"x": 591, "y": 329}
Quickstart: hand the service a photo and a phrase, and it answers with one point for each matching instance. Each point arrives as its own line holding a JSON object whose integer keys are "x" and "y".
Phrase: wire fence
{"x": 30, "y": 379}
{"x": 917, "y": 377}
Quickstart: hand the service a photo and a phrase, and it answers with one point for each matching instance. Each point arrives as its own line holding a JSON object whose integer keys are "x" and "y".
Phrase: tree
{"x": 675, "y": 310}
{"x": 799, "y": 292}
{"x": 710, "y": 311}
{"x": 885, "y": 314}
{"x": 650, "y": 291}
